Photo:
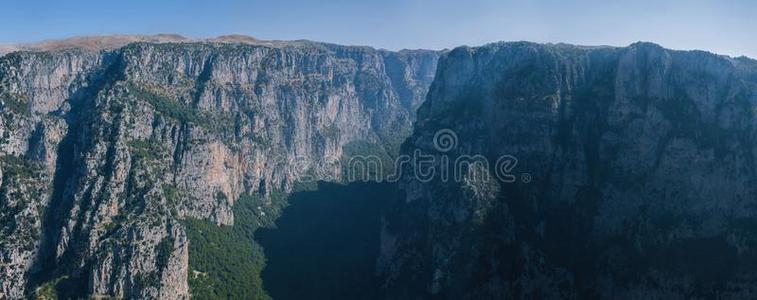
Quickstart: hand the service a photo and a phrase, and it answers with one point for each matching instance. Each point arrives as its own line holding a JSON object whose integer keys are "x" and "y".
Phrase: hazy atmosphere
{"x": 725, "y": 27}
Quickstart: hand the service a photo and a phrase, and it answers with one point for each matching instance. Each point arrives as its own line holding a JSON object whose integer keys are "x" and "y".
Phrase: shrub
{"x": 225, "y": 261}
{"x": 145, "y": 149}
{"x": 164, "y": 105}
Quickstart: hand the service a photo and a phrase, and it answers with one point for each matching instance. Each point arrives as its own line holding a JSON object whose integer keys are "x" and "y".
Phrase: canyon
{"x": 166, "y": 167}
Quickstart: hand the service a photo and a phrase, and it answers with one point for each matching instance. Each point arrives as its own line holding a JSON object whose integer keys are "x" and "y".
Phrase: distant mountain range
{"x": 110, "y": 42}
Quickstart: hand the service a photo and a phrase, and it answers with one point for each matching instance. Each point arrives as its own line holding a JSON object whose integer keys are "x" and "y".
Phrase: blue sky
{"x": 728, "y": 27}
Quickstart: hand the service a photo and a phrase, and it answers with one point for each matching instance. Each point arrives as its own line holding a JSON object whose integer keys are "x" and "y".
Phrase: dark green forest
{"x": 324, "y": 245}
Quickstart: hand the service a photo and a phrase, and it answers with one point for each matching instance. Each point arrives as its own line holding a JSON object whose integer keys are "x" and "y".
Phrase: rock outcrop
{"x": 105, "y": 151}
{"x": 632, "y": 175}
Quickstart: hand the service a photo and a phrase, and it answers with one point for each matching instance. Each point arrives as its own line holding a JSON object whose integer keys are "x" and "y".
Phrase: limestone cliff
{"x": 105, "y": 150}
{"x": 634, "y": 177}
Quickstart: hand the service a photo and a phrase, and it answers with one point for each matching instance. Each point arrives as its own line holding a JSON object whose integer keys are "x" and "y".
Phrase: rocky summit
{"x": 149, "y": 167}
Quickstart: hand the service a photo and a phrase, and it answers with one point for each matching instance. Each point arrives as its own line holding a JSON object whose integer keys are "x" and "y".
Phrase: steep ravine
{"x": 58, "y": 208}
{"x": 107, "y": 154}
{"x": 326, "y": 242}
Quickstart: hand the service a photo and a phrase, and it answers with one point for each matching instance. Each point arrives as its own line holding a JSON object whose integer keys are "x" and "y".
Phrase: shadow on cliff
{"x": 327, "y": 242}
{"x": 49, "y": 266}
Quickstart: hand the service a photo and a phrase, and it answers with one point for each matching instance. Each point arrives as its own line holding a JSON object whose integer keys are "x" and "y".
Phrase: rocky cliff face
{"x": 103, "y": 153}
{"x": 588, "y": 172}
{"x": 635, "y": 177}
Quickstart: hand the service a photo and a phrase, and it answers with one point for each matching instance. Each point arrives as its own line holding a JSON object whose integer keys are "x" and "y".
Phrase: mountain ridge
{"x": 112, "y": 41}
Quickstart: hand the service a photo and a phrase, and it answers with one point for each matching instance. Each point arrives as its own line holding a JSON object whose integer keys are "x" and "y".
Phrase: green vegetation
{"x": 328, "y": 238}
{"x": 145, "y": 149}
{"x": 164, "y": 249}
{"x": 165, "y": 105}
{"x": 171, "y": 193}
{"x": 364, "y": 161}
{"x": 223, "y": 124}
{"x": 48, "y": 290}
{"x": 326, "y": 243}
{"x": 16, "y": 104}
{"x": 225, "y": 262}
{"x": 110, "y": 227}
{"x": 14, "y": 166}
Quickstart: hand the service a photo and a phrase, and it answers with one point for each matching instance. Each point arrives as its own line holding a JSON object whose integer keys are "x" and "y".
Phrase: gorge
{"x": 163, "y": 167}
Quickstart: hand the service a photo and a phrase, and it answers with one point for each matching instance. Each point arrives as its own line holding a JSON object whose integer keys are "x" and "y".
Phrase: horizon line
{"x": 9, "y": 47}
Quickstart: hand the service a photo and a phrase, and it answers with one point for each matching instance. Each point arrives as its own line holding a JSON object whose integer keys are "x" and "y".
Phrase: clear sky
{"x": 727, "y": 27}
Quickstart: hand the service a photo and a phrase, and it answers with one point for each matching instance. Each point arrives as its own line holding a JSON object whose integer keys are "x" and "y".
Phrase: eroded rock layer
{"x": 105, "y": 152}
